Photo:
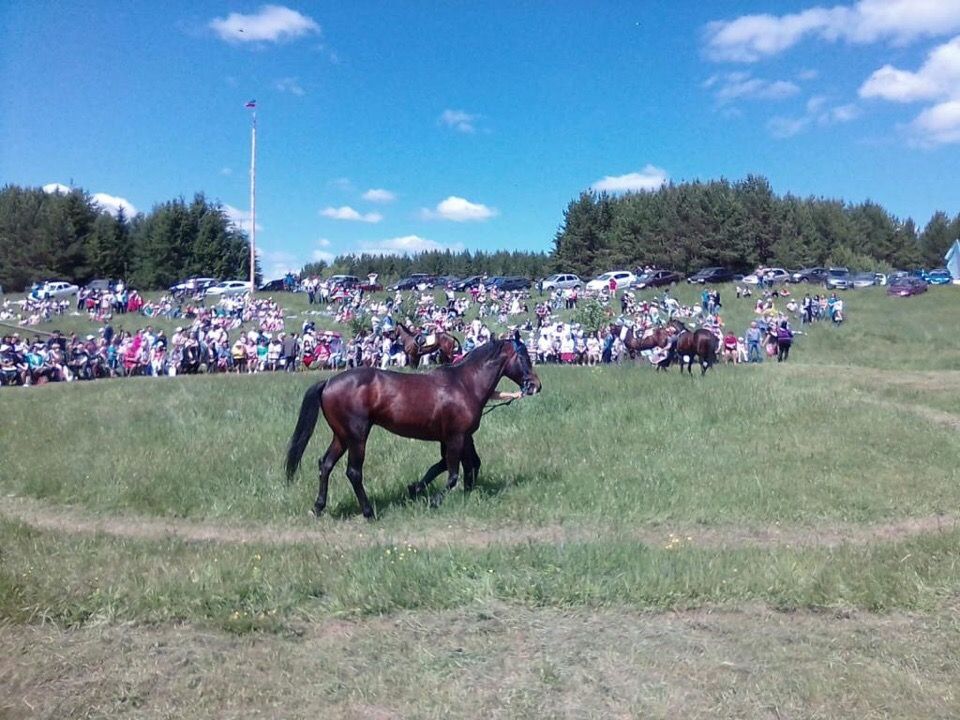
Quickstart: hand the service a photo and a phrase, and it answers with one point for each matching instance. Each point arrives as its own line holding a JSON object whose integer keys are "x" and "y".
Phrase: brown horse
{"x": 444, "y": 405}
{"x": 630, "y": 340}
{"x": 691, "y": 345}
{"x": 446, "y": 346}
{"x": 659, "y": 338}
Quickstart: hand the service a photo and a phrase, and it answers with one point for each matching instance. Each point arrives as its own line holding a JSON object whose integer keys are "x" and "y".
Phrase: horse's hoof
{"x": 437, "y": 500}
{"x": 413, "y": 491}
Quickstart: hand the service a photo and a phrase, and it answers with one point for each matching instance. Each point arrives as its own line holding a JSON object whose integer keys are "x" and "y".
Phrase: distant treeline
{"x": 740, "y": 225}
{"x": 68, "y": 236}
{"x": 437, "y": 262}
{"x": 682, "y": 227}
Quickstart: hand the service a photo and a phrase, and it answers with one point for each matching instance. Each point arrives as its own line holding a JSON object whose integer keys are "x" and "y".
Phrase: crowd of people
{"x": 246, "y": 335}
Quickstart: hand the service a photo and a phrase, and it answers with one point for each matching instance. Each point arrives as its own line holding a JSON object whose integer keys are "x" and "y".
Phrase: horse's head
{"x": 519, "y": 367}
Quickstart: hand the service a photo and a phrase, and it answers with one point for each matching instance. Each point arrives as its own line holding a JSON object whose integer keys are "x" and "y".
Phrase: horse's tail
{"x": 309, "y": 413}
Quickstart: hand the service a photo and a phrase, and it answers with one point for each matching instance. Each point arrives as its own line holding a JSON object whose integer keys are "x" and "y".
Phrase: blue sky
{"x": 476, "y": 123}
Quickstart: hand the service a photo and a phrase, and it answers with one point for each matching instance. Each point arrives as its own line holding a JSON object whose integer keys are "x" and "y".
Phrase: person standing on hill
{"x": 754, "y": 336}
{"x": 784, "y": 341}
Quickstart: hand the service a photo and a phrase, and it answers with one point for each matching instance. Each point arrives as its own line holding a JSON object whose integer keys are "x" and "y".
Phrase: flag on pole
{"x": 251, "y": 104}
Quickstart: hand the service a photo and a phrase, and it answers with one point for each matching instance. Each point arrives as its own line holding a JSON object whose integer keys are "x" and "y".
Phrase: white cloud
{"x": 342, "y": 183}
{"x": 109, "y": 203}
{"x": 379, "y": 195}
{"x": 348, "y": 213}
{"x": 318, "y": 253}
{"x": 406, "y": 245}
{"x": 273, "y": 23}
{"x": 751, "y": 37}
{"x": 226, "y": 171}
{"x": 739, "y": 85}
{"x": 277, "y": 263}
{"x": 816, "y": 103}
{"x": 290, "y": 85}
{"x": 843, "y": 113}
{"x": 459, "y": 120}
{"x": 459, "y": 209}
{"x": 938, "y": 125}
{"x": 239, "y": 218}
{"x": 937, "y": 78}
{"x": 817, "y": 112}
{"x": 650, "y": 178}
{"x": 112, "y": 204}
{"x": 784, "y": 127}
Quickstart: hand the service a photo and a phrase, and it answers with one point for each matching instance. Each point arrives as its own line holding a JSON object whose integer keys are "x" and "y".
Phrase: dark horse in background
{"x": 638, "y": 343}
{"x": 446, "y": 346}
{"x": 444, "y": 406}
{"x": 694, "y": 344}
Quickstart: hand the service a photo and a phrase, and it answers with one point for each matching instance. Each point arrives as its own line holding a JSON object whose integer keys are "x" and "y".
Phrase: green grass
{"x": 617, "y": 446}
{"x": 74, "y": 581}
{"x": 575, "y": 537}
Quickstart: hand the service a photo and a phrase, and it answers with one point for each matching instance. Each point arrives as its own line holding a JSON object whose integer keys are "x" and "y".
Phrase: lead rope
{"x": 498, "y": 405}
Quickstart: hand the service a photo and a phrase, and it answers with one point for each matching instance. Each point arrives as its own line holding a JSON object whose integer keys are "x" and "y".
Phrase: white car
{"x": 779, "y": 276}
{"x": 194, "y": 284}
{"x": 624, "y": 280}
{"x": 230, "y": 287}
{"x": 562, "y": 281}
{"x": 56, "y": 289}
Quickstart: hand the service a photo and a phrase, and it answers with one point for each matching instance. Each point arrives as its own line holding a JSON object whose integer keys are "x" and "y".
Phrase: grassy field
{"x": 767, "y": 541}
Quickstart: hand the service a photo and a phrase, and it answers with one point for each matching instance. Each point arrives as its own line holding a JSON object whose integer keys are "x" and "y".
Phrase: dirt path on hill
{"x": 356, "y": 534}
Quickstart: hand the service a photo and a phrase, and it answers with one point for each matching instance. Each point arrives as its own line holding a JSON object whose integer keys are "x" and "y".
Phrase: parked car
{"x": 624, "y": 280}
{"x": 55, "y": 289}
{"x": 100, "y": 285}
{"x": 711, "y": 275}
{"x": 446, "y": 281}
{"x": 940, "y": 276}
{"x": 344, "y": 281}
{"x": 778, "y": 275}
{"x": 274, "y": 286}
{"x": 230, "y": 287}
{"x": 815, "y": 275}
{"x": 469, "y": 282}
{"x": 417, "y": 280}
{"x": 562, "y": 281}
{"x": 838, "y": 279}
{"x": 511, "y": 282}
{"x": 906, "y": 285}
{"x": 657, "y": 278}
{"x": 863, "y": 279}
{"x": 193, "y": 285}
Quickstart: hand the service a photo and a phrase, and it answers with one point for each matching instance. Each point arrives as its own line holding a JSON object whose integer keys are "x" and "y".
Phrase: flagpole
{"x": 253, "y": 204}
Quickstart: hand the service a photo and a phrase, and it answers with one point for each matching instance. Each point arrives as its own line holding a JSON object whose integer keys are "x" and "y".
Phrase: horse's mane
{"x": 481, "y": 354}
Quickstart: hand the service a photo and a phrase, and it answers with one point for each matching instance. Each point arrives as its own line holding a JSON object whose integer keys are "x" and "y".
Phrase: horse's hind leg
{"x": 327, "y": 463}
{"x": 430, "y": 475}
{"x": 471, "y": 464}
{"x": 355, "y": 456}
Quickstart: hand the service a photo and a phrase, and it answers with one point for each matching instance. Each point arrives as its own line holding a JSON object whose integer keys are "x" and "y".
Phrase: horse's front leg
{"x": 452, "y": 456}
